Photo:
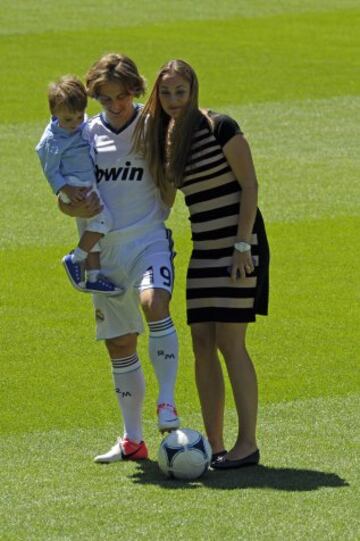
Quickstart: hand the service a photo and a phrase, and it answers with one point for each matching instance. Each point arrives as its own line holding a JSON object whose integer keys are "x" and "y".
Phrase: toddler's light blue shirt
{"x": 64, "y": 153}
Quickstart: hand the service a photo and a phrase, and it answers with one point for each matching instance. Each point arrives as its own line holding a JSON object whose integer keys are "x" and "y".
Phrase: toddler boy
{"x": 65, "y": 155}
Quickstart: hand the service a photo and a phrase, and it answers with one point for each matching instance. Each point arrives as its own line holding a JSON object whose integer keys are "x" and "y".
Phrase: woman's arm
{"x": 87, "y": 208}
{"x": 238, "y": 155}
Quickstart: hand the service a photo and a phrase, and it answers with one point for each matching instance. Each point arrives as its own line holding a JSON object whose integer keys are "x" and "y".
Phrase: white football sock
{"x": 130, "y": 391}
{"x": 164, "y": 353}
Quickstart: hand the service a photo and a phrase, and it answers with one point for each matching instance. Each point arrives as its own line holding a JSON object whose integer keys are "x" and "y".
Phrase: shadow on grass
{"x": 290, "y": 479}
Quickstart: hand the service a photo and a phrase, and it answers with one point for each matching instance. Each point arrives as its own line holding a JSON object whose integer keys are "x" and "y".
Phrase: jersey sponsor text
{"x": 128, "y": 172}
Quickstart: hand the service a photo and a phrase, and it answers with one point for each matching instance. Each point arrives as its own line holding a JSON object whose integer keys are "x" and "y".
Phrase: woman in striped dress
{"x": 206, "y": 156}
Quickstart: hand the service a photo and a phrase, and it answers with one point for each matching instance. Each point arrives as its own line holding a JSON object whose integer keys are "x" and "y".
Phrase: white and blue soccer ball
{"x": 184, "y": 454}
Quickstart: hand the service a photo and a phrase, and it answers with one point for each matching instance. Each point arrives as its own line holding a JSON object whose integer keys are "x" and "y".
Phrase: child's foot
{"x": 75, "y": 272}
{"x": 103, "y": 285}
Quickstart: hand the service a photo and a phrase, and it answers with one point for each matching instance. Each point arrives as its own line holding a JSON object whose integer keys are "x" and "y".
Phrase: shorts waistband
{"x": 132, "y": 233}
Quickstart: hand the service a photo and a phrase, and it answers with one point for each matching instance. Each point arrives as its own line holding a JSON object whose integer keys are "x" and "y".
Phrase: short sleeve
{"x": 225, "y": 128}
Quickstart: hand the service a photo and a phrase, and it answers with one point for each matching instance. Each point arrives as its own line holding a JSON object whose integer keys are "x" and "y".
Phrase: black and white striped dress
{"x": 213, "y": 196}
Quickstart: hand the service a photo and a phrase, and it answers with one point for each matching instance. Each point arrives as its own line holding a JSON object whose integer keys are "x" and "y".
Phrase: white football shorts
{"x": 135, "y": 263}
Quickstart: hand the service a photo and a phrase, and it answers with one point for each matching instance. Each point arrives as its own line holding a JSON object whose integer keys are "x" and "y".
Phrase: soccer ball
{"x": 184, "y": 454}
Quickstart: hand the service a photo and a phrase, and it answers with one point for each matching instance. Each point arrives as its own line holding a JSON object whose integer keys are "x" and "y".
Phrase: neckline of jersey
{"x": 117, "y": 132}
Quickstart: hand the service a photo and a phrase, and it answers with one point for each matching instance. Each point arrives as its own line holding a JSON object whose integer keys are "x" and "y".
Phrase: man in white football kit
{"x": 138, "y": 250}
{"x": 137, "y": 254}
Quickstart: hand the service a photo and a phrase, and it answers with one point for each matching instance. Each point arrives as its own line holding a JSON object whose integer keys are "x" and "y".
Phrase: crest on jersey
{"x": 99, "y": 316}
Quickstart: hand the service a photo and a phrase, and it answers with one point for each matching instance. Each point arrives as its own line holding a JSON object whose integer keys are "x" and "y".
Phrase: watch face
{"x": 242, "y": 246}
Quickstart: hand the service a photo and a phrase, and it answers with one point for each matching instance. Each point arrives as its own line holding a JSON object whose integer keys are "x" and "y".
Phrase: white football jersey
{"x": 123, "y": 178}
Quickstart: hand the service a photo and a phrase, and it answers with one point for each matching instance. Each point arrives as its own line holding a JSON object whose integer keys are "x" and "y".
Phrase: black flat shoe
{"x": 217, "y": 456}
{"x": 226, "y": 464}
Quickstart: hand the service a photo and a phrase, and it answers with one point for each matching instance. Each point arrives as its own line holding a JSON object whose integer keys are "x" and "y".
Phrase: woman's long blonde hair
{"x": 167, "y": 150}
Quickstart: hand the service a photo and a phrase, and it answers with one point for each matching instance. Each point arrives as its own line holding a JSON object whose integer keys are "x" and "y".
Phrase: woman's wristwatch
{"x": 242, "y": 246}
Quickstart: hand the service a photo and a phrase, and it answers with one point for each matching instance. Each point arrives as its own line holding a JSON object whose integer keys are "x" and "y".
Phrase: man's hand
{"x": 74, "y": 193}
{"x": 86, "y": 208}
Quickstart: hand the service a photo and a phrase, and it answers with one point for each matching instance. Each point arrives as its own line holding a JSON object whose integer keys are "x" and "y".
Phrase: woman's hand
{"x": 87, "y": 208}
{"x": 242, "y": 265}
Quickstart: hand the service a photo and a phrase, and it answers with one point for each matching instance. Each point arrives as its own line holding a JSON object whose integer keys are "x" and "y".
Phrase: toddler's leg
{"x": 88, "y": 240}
{"x": 82, "y": 257}
{"x": 93, "y": 266}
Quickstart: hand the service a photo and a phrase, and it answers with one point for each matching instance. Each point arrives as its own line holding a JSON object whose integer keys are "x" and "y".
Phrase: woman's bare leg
{"x": 210, "y": 382}
{"x": 230, "y": 338}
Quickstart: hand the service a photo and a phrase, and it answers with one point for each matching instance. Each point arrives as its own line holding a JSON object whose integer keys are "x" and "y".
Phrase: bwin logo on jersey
{"x": 128, "y": 172}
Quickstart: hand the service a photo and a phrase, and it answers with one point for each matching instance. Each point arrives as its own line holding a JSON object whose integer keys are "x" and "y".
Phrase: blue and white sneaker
{"x": 103, "y": 285}
{"x": 75, "y": 272}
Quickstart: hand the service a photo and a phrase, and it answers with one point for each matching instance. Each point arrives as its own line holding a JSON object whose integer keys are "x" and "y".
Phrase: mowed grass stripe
{"x": 292, "y": 57}
{"x": 22, "y": 16}
{"x": 305, "y": 154}
{"x": 308, "y": 479}
{"x": 307, "y": 347}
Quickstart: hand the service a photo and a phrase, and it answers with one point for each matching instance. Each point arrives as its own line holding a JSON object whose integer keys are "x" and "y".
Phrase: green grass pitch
{"x": 289, "y": 73}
